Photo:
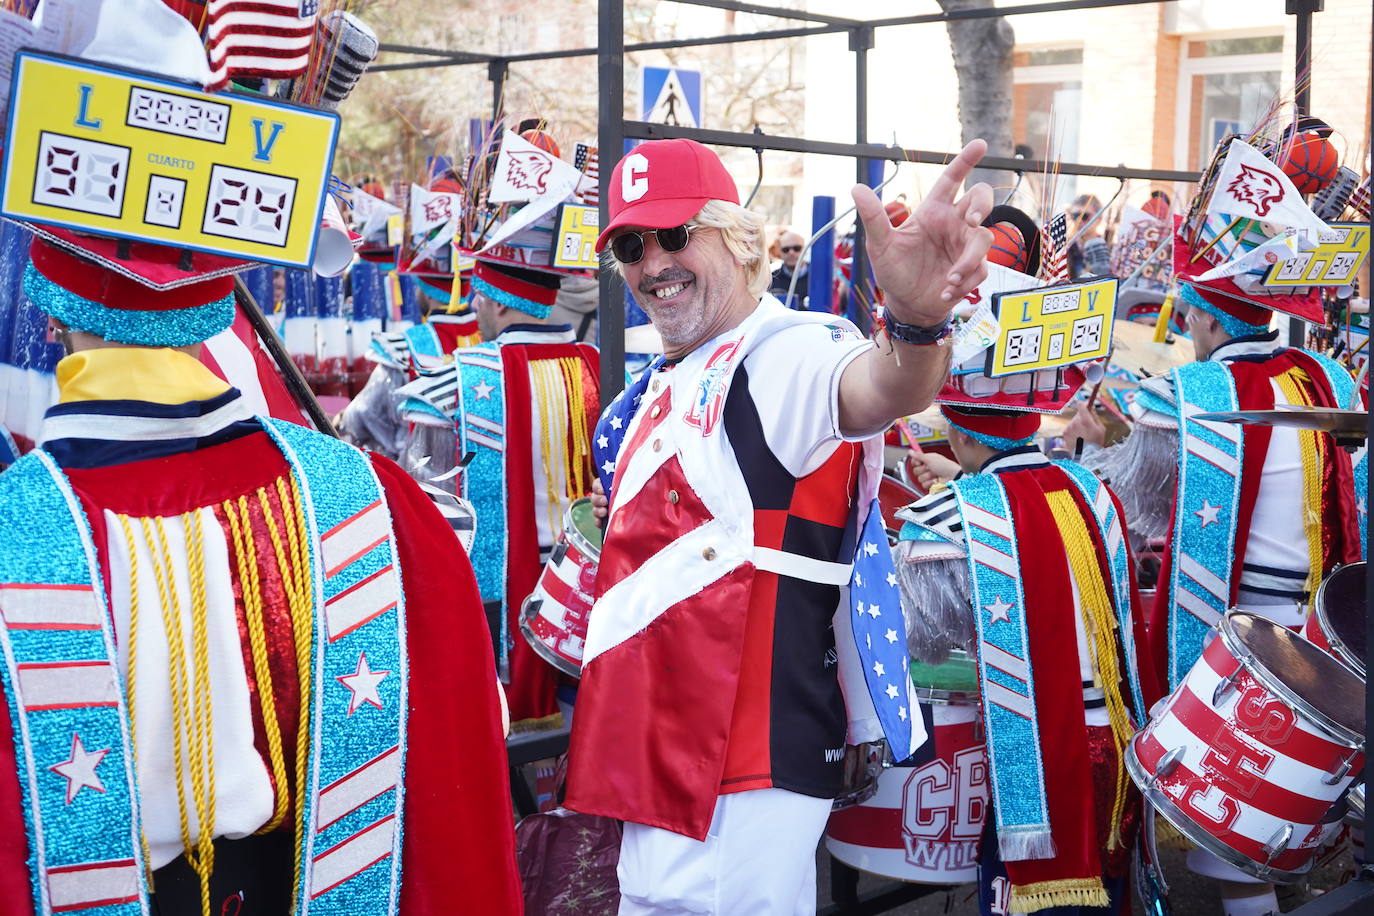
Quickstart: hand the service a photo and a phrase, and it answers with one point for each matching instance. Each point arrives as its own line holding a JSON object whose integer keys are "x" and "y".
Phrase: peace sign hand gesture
{"x": 933, "y": 259}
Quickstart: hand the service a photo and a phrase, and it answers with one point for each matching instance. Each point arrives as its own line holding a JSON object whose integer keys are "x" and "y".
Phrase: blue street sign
{"x": 671, "y": 96}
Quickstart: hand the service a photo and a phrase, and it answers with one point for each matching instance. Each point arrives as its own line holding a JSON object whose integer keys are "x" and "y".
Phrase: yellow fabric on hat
{"x": 157, "y": 375}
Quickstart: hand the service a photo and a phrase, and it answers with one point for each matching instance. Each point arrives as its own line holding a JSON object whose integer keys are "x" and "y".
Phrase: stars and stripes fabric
{"x": 880, "y": 634}
{"x": 267, "y": 38}
{"x": 1054, "y": 262}
{"x": 587, "y": 161}
{"x": 1359, "y": 199}
{"x": 615, "y": 419}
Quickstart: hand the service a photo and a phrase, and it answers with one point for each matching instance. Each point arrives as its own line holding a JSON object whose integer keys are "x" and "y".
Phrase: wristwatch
{"x": 914, "y": 333}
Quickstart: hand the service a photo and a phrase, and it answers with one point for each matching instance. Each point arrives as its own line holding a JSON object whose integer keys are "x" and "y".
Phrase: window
{"x": 1047, "y": 94}
{"x": 1225, "y": 86}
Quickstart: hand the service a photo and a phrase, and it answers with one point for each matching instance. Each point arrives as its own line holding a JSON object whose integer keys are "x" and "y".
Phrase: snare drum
{"x": 554, "y": 617}
{"x": 924, "y": 822}
{"x": 1337, "y": 623}
{"x": 1248, "y": 755}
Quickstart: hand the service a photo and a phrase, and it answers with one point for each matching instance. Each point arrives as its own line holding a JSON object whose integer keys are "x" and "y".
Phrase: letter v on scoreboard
{"x": 119, "y": 153}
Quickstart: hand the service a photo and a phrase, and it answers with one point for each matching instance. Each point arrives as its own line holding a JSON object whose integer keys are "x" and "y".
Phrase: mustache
{"x": 671, "y": 275}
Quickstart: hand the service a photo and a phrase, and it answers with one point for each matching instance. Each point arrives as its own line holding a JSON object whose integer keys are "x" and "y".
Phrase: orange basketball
{"x": 1008, "y": 247}
{"x": 1310, "y": 162}
{"x": 897, "y": 212}
{"x": 542, "y": 140}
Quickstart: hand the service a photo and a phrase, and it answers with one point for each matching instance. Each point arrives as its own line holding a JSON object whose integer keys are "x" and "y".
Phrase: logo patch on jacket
{"x": 711, "y": 390}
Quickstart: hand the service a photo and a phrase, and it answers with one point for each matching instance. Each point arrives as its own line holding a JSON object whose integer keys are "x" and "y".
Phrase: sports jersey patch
{"x": 711, "y": 390}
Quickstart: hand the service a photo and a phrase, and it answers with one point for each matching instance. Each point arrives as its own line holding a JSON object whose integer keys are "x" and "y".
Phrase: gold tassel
{"x": 1291, "y": 383}
{"x": 1100, "y": 623}
{"x": 1031, "y": 898}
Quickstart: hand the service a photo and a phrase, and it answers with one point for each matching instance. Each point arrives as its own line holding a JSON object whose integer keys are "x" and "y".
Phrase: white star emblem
{"x": 615, "y": 422}
{"x": 999, "y": 610}
{"x": 858, "y": 580}
{"x": 901, "y": 713}
{"x": 890, "y": 636}
{"x": 608, "y": 466}
{"x": 878, "y": 669}
{"x": 891, "y": 692}
{"x": 483, "y": 391}
{"x": 892, "y": 580}
{"x": 602, "y": 442}
{"x": 1208, "y": 514}
{"x": 870, "y": 548}
{"x": 363, "y": 683}
{"x": 873, "y": 610}
{"x": 79, "y": 769}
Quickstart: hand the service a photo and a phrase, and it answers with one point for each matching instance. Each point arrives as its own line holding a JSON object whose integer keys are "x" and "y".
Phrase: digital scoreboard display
{"x": 1052, "y": 327}
{"x": 123, "y": 154}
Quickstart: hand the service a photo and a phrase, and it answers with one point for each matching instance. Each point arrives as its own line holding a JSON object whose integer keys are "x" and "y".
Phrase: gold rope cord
{"x": 203, "y": 738}
{"x": 250, "y": 584}
{"x": 580, "y": 444}
{"x": 300, "y": 594}
{"x": 1100, "y": 624}
{"x": 131, "y": 682}
{"x": 548, "y": 394}
{"x": 1291, "y": 384}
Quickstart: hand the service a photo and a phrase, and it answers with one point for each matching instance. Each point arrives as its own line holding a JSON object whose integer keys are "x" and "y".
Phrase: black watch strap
{"x": 914, "y": 333}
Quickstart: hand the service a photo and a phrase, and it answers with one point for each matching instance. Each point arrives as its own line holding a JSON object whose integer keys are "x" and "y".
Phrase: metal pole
{"x": 1301, "y": 11}
{"x": 860, "y": 41}
{"x": 496, "y": 72}
{"x": 610, "y": 78}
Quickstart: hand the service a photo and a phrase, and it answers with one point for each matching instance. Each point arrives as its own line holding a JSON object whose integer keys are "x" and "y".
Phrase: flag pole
{"x": 290, "y": 373}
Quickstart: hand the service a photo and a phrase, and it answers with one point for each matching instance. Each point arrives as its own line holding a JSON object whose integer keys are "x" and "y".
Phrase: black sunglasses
{"x": 787, "y": 248}
{"x": 628, "y": 247}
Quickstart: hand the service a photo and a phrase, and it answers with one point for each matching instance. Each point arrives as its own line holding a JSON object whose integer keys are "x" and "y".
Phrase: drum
{"x": 924, "y": 822}
{"x": 554, "y": 617}
{"x": 893, "y": 494}
{"x": 863, "y": 765}
{"x": 1248, "y": 755}
{"x": 1337, "y": 623}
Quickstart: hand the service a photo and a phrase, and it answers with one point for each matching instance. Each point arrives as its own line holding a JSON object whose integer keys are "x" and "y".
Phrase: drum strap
{"x": 783, "y": 563}
{"x": 1210, "y": 458}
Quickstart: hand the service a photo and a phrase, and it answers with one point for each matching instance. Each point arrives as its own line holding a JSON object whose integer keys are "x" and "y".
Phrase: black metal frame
{"x": 614, "y": 129}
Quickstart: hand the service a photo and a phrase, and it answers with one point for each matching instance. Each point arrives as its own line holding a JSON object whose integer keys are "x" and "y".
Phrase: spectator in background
{"x": 1089, "y": 254}
{"x": 789, "y": 250}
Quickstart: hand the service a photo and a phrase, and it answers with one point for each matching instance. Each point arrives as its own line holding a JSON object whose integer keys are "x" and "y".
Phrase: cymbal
{"x": 1134, "y": 349}
{"x": 1344, "y": 424}
{"x": 643, "y": 338}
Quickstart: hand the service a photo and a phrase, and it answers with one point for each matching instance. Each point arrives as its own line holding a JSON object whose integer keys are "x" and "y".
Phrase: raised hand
{"x": 934, "y": 258}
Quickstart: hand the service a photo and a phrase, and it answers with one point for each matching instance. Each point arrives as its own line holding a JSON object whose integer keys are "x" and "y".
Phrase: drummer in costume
{"x": 516, "y": 413}
{"x": 228, "y": 689}
{"x": 1023, "y": 562}
{"x": 747, "y": 622}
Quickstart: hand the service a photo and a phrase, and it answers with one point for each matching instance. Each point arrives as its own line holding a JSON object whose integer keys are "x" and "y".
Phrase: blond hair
{"x": 742, "y": 231}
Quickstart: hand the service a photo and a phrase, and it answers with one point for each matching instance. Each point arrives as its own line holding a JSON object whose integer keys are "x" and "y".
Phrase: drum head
{"x": 1301, "y": 674}
{"x": 582, "y": 520}
{"x": 1341, "y": 608}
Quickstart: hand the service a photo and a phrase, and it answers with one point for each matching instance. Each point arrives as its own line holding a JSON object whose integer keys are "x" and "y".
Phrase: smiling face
{"x": 690, "y": 295}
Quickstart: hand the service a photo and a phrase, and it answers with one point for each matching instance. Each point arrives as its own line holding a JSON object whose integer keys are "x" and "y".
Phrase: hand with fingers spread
{"x": 938, "y": 255}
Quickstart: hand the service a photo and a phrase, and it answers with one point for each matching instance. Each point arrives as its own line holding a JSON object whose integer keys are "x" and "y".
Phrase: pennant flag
{"x": 524, "y": 172}
{"x": 370, "y": 213}
{"x": 431, "y": 209}
{"x": 1248, "y": 185}
{"x": 1054, "y": 262}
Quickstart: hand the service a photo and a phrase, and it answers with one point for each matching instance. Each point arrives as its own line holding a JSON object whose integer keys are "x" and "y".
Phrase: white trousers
{"x": 758, "y": 859}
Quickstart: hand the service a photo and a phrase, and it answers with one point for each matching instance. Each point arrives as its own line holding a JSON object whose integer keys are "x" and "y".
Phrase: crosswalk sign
{"x": 671, "y": 95}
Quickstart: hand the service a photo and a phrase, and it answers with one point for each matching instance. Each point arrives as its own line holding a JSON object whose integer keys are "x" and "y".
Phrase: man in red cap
{"x": 232, "y": 689}
{"x": 517, "y": 410}
{"x": 721, "y": 679}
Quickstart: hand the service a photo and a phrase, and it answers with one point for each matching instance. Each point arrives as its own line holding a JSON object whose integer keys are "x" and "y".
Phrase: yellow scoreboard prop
{"x": 122, "y": 154}
{"x": 1052, "y": 327}
{"x": 1341, "y": 251}
{"x": 575, "y": 235}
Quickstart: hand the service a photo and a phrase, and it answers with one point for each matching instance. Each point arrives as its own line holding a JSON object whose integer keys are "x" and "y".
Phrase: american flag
{"x": 1359, "y": 199}
{"x": 610, "y": 429}
{"x": 270, "y": 38}
{"x": 880, "y": 635}
{"x": 586, "y": 161}
{"x": 1054, "y": 262}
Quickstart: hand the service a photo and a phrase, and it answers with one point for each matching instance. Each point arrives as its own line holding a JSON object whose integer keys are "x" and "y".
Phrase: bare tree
{"x": 982, "y": 63}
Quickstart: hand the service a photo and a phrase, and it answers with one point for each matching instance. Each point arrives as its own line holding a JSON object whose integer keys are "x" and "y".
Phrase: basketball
{"x": 1310, "y": 162}
{"x": 897, "y": 212}
{"x": 542, "y": 140}
{"x": 1008, "y": 247}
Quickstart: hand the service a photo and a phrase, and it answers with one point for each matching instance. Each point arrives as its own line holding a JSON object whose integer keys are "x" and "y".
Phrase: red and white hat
{"x": 530, "y": 291}
{"x": 1250, "y": 307}
{"x": 664, "y": 183}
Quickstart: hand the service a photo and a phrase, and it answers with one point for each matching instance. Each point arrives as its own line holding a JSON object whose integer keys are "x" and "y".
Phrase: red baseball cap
{"x": 664, "y": 183}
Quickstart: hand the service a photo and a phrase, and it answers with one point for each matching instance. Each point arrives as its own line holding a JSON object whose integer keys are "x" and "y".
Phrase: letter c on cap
{"x": 634, "y": 178}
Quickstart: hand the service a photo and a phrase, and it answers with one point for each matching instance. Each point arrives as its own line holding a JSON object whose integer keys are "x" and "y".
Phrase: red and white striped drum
{"x": 1337, "y": 622}
{"x": 553, "y": 618}
{"x": 1249, "y": 754}
{"x": 924, "y": 823}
